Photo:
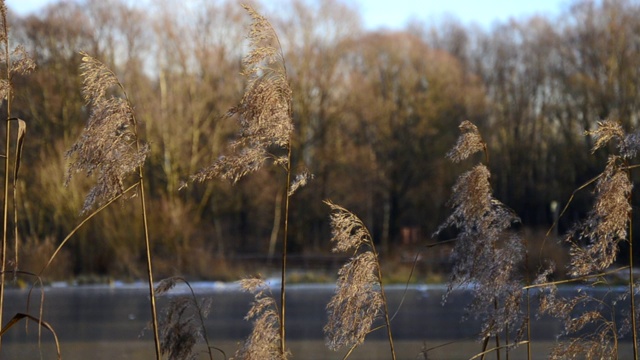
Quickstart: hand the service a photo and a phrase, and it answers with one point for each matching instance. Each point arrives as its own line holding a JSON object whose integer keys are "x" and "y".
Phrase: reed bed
{"x": 488, "y": 254}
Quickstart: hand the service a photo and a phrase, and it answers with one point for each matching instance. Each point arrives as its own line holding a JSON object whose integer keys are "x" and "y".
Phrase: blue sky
{"x": 395, "y": 13}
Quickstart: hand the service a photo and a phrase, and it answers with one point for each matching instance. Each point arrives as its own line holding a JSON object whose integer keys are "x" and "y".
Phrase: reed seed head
{"x": 606, "y": 224}
{"x": 469, "y": 143}
{"x": 108, "y": 146}
{"x": 627, "y": 144}
{"x": 264, "y": 340}
{"x": 348, "y": 232}
{"x": 22, "y": 62}
{"x": 356, "y": 303}
{"x": 605, "y": 132}
{"x": 486, "y": 255}
{"x": 264, "y": 113}
{"x": 182, "y": 321}
{"x": 300, "y": 181}
{"x": 179, "y": 330}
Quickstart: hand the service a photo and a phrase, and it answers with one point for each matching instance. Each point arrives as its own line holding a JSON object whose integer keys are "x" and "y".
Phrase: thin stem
{"x": 145, "y": 224}
{"x": 529, "y": 355}
{"x": 413, "y": 268}
{"x": 486, "y": 351}
{"x": 350, "y": 351}
{"x": 406, "y": 285}
{"x": 528, "y": 280}
{"x": 16, "y": 167}
{"x": 495, "y": 306}
{"x": 201, "y": 318}
{"x": 5, "y": 203}
{"x": 15, "y": 224}
{"x": 567, "y": 281}
{"x": 89, "y": 217}
{"x": 634, "y": 330}
{"x": 5, "y": 223}
{"x": 566, "y": 206}
{"x": 613, "y": 328}
{"x": 283, "y": 287}
{"x": 147, "y": 244}
{"x": 485, "y": 344}
{"x": 506, "y": 340}
{"x": 384, "y": 300}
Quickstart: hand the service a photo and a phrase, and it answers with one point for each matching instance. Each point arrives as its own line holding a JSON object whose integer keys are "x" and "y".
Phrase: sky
{"x": 394, "y": 14}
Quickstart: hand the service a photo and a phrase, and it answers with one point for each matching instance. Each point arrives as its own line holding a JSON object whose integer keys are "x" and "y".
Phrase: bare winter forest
{"x": 374, "y": 114}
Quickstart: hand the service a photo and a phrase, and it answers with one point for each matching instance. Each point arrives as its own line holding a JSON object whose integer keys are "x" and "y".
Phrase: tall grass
{"x": 265, "y": 117}
{"x": 182, "y": 324}
{"x": 16, "y": 62}
{"x": 487, "y": 255}
{"x": 265, "y": 340}
{"x": 593, "y": 248}
{"x": 360, "y": 295}
{"x": 110, "y": 148}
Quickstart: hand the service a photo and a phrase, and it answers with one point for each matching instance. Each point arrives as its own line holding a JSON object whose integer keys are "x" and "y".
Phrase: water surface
{"x": 108, "y": 322}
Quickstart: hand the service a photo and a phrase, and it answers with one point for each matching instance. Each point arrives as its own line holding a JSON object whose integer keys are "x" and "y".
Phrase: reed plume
{"x": 606, "y": 224}
{"x": 110, "y": 148}
{"x": 579, "y": 314}
{"x": 181, "y": 325}
{"x": 359, "y": 298}
{"x": 469, "y": 142}
{"x": 264, "y": 340}
{"x": 265, "y": 119}
{"x": 264, "y": 113}
{"x": 486, "y": 255}
{"x": 594, "y": 244}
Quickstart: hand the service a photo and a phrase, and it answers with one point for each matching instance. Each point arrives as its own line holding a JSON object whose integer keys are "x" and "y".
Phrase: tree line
{"x": 374, "y": 111}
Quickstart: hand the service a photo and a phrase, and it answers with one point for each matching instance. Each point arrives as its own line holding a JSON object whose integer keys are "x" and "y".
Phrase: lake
{"x": 108, "y": 322}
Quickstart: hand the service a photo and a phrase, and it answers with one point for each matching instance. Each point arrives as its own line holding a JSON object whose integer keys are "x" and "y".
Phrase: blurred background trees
{"x": 375, "y": 112}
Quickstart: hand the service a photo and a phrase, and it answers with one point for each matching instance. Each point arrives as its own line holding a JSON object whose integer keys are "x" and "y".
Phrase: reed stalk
{"x": 593, "y": 249}
{"x": 486, "y": 253}
{"x": 5, "y": 203}
{"x": 285, "y": 236}
{"x": 265, "y": 115}
{"x": 111, "y": 147}
{"x": 385, "y": 302}
{"x": 360, "y": 294}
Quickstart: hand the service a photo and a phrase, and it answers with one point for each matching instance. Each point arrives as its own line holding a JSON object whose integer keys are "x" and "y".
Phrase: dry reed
{"x": 264, "y": 113}
{"x": 265, "y": 120}
{"x": 590, "y": 328}
{"x": 264, "y": 340}
{"x": 359, "y": 298}
{"x": 107, "y": 147}
{"x": 110, "y": 148}
{"x": 181, "y": 325}
{"x": 16, "y": 62}
{"x": 486, "y": 255}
